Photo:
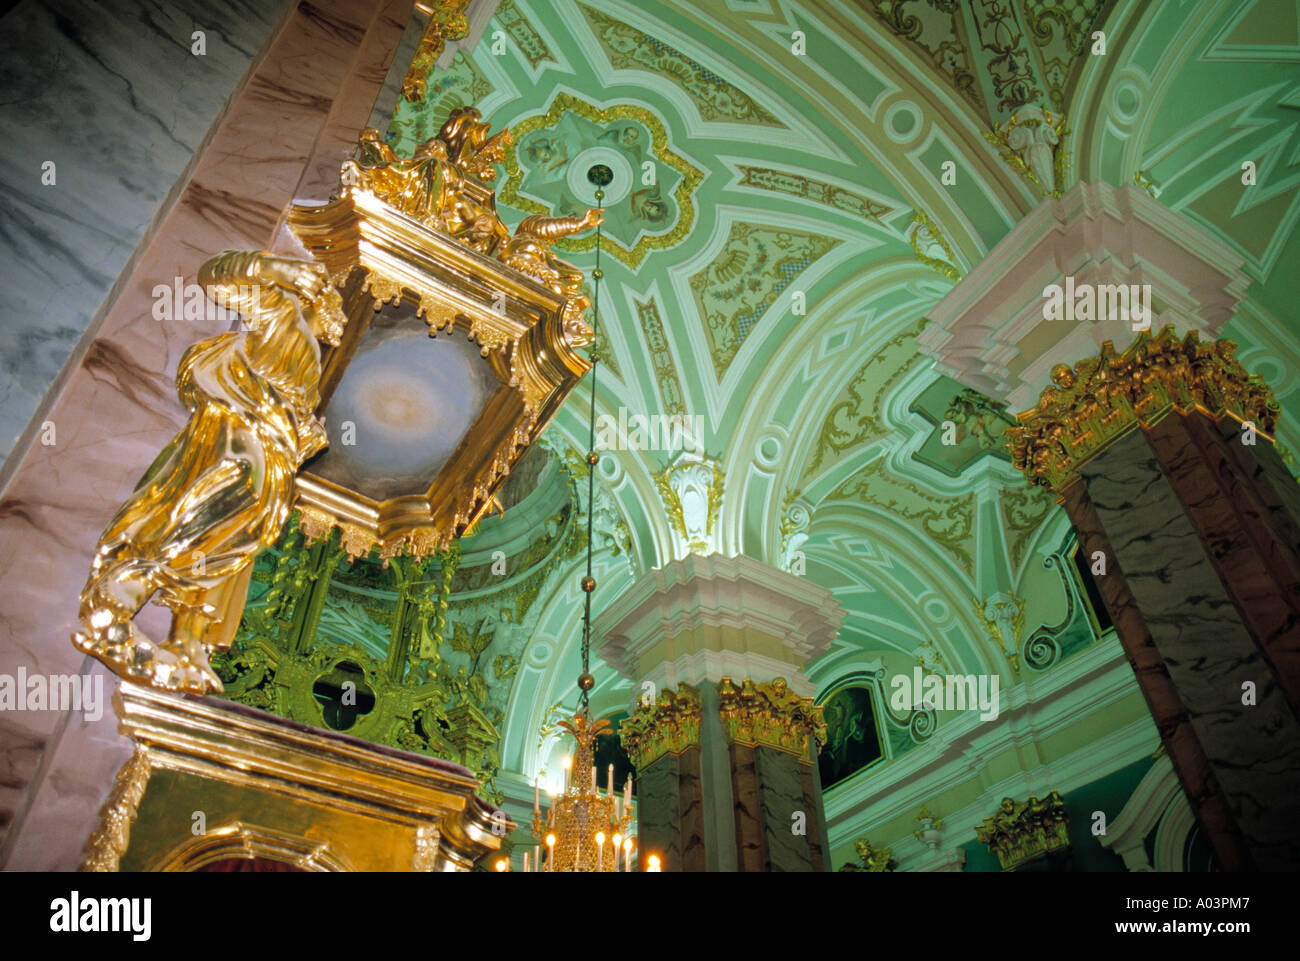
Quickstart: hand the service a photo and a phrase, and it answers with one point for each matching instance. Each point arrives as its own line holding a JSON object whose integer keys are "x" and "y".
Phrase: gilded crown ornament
{"x": 1101, "y": 398}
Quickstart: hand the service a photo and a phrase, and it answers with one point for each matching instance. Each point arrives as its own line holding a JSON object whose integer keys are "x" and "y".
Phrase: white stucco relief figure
{"x": 1035, "y": 140}
{"x": 692, "y": 493}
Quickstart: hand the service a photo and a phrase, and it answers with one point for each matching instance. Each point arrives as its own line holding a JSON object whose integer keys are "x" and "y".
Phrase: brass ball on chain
{"x": 593, "y": 458}
{"x": 588, "y": 584}
{"x": 586, "y": 682}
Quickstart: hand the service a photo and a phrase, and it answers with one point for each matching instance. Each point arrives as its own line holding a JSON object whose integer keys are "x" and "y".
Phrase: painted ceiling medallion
{"x": 649, "y": 203}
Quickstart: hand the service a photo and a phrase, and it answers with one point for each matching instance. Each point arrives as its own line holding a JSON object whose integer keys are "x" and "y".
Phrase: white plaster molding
{"x": 1151, "y": 799}
{"x": 1086, "y": 685}
{"x": 713, "y": 590}
{"x": 989, "y": 332}
{"x": 1171, "y": 835}
{"x": 702, "y": 666}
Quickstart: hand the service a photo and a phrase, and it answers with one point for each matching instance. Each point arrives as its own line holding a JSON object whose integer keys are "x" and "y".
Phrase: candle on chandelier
{"x": 525, "y": 862}
{"x": 566, "y": 763}
{"x": 618, "y": 843}
{"x": 610, "y": 789}
{"x": 594, "y": 788}
{"x": 537, "y": 859}
{"x": 627, "y": 854}
{"x": 627, "y": 792}
{"x": 550, "y": 852}
{"x": 600, "y": 850}
{"x": 537, "y": 797}
{"x": 654, "y": 865}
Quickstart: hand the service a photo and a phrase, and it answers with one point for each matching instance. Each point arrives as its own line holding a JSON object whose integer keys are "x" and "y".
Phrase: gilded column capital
{"x": 669, "y": 726}
{"x": 1023, "y": 830}
{"x": 1102, "y": 398}
{"x": 770, "y": 715}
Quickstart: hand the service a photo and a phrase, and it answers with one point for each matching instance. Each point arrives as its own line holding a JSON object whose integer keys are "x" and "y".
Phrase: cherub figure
{"x": 220, "y": 491}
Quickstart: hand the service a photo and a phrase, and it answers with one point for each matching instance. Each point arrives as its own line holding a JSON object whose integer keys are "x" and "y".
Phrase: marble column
{"x": 1159, "y": 447}
{"x": 1162, "y": 458}
{"x": 726, "y": 760}
{"x": 281, "y": 136}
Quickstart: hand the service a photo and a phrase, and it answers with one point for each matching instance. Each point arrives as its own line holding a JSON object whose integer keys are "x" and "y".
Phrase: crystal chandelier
{"x": 585, "y": 830}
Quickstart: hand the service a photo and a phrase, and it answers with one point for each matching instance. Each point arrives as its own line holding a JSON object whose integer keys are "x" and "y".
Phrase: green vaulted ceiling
{"x": 777, "y": 230}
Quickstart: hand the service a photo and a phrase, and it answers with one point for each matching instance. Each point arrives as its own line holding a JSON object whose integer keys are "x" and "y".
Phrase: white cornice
{"x": 1082, "y": 687}
{"x": 989, "y": 332}
{"x": 713, "y": 590}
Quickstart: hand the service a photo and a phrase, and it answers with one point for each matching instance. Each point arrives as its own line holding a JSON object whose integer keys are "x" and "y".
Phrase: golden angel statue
{"x": 220, "y": 491}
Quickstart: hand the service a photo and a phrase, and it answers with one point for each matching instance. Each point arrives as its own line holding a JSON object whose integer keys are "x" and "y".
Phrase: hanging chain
{"x": 589, "y": 582}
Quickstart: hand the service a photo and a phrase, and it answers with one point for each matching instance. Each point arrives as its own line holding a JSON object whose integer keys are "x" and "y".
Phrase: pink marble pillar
{"x": 282, "y": 136}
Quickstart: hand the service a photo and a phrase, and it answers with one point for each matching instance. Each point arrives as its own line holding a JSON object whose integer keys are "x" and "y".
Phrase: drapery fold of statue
{"x": 220, "y": 491}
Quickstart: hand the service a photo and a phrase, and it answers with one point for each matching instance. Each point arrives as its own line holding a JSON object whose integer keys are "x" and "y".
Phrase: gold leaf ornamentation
{"x": 770, "y": 715}
{"x": 669, "y": 726}
{"x": 1101, "y": 398}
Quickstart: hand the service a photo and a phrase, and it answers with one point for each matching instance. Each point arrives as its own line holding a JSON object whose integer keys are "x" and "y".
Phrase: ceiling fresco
{"x": 778, "y": 228}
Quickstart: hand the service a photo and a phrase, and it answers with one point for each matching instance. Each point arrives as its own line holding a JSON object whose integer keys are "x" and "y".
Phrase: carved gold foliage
{"x": 669, "y": 726}
{"x": 873, "y": 860}
{"x": 856, "y": 417}
{"x": 1104, "y": 397}
{"x": 447, "y": 21}
{"x": 437, "y": 315}
{"x": 770, "y": 715}
{"x": 1021, "y": 831}
{"x": 948, "y": 520}
{"x": 108, "y": 842}
{"x": 383, "y": 290}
